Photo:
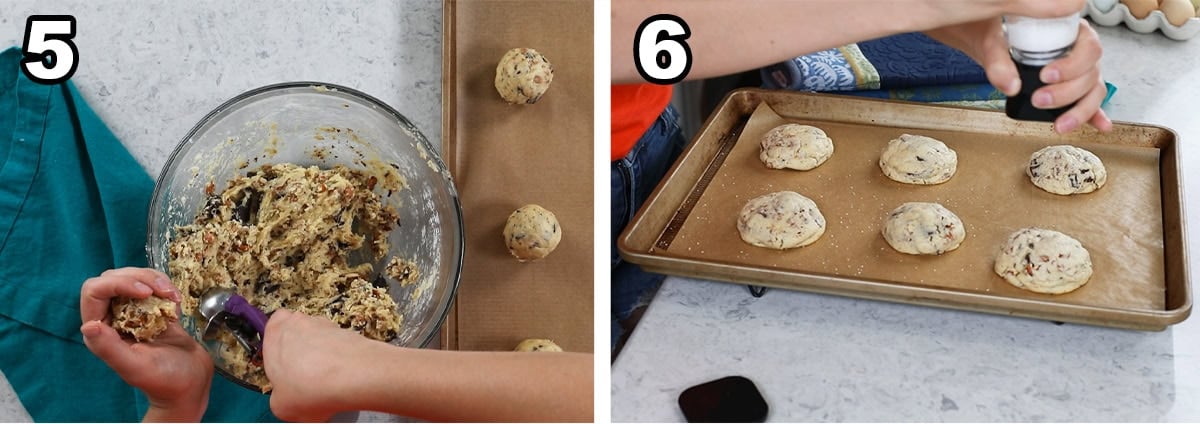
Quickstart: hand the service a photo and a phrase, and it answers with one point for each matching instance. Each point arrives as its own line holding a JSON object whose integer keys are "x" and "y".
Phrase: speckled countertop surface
{"x": 151, "y": 70}
{"x": 826, "y": 358}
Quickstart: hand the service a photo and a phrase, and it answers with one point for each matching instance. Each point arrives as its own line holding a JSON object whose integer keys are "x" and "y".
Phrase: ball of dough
{"x": 537, "y": 345}
{"x": 142, "y": 319}
{"x": 795, "y": 146}
{"x": 920, "y": 228}
{"x": 1066, "y": 170}
{"x": 1044, "y": 261}
{"x": 916, "y": 159}
{"x": 532, "y": 232}
{"x": 781, "y": 220}
{"x": 523, "y": 76}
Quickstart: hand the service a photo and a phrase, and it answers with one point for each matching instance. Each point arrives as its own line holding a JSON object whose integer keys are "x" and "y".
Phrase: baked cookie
{"x": 780, "y": 220}
{"x": 537, "y": 345}
{"x": 1044, "y": 261}
{"x": 531, "y": 233}
{"x": 523, "y": 76}
{"x": 917, "y": 159}
{"x": 920, "y": 228}
{"x": 1066, "y": 170}
{"x": 795, "y": 146}
{"x": 142, "y": 319}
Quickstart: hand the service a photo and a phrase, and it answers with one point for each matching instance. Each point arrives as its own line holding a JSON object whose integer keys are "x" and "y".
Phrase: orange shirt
{"x": 635, "y": 107}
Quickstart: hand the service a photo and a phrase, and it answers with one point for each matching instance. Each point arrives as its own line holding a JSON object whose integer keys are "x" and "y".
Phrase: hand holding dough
{"x": 143, "y": 319}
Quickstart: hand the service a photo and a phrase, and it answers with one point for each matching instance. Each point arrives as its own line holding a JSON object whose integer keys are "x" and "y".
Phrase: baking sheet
{"x": 1133, "y": 226}
{"x": 503, "y": 156}
{"x": 1120, "y": 224}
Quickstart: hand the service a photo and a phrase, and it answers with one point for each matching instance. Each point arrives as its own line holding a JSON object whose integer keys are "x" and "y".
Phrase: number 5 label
{"x": 659, "y": 50}
{"x": 50, "y": 55}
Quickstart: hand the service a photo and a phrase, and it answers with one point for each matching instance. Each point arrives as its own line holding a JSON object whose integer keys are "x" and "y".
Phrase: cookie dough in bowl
{"x": 780, "y": 220}
{"x": 523, "y": 76}
{"x": 313, "y": 197}
{"x": 1066, "y": 170}
{"x": 922, "y": 228}
{"x": 917, "y": 159}
{"x": 795, "y": 146}
{"x": 282, "y": 236}
{"x": 1044, "y": 261}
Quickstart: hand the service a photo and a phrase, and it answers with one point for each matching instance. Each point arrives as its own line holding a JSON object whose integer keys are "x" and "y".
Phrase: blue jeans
{"x": 633, "y": 178}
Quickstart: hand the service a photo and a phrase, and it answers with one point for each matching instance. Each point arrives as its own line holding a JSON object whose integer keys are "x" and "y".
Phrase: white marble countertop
{"x": 151, "y": 70}
{"x": 826, "y": 358}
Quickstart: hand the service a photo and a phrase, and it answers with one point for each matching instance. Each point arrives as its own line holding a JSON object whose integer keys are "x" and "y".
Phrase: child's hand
{"x": 173, "y": 370}
{"x": 1072, "y": 79}
{"x": 299, "y": 350}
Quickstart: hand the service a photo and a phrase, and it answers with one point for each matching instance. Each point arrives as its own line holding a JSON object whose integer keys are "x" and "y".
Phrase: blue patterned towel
{"x": 908, "y": 66}
{"x": 899, "y": 61}
{"x": 73, "y": 203}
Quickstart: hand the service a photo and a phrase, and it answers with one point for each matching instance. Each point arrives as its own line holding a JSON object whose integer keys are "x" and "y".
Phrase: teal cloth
{"x": 73, "y": 203}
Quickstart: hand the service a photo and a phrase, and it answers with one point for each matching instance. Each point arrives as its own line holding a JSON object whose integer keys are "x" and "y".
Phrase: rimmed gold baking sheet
{"x": 503, "y": 156}
{"x": 1132, "y": 227}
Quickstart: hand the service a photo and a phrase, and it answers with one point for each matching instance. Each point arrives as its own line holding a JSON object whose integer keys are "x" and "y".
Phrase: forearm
{"x": 731, "y": 36}
{"x": 187, "y": 414}
{"x": 475, "y": 386}
{"x": 156, "y": 415}
{"x": 187, "y": 407}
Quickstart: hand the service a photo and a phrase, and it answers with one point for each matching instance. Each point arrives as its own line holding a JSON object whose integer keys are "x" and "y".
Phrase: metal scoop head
{"x": 222, "y": 307}
{"x": 213, "y": 302}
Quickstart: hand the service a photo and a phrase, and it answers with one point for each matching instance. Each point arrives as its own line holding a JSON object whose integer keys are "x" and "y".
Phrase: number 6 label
{"x": 659, "y": 50}
{"x": 50, "y": 55}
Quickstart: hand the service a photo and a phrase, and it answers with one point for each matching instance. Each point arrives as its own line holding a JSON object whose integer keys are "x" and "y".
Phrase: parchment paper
{"x": 1120, "y": 224}
{"x": 504, "y": 156}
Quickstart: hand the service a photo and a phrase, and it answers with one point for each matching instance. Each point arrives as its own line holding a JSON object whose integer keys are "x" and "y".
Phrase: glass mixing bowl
{"x": 309, "y": 123}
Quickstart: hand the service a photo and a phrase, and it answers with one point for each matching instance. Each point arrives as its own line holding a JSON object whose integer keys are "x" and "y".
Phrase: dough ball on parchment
{"x": 1044, "y": 261}
{"x": 780, "y": 220}
{"x": 1066, "y": 170}
{"x": 921, "y": 228}
{"x": 532, "y": 232}
{"x": 795, "y": 146}
{"x": 917, "y": 159}
{"x": 537, "y": 345}
{"x": 523, "y": 76}
{"x": 142, "y": 319}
